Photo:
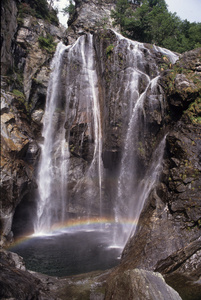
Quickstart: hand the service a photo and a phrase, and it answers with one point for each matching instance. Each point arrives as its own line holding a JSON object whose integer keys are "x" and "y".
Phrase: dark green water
{"x": 68, "y": 253}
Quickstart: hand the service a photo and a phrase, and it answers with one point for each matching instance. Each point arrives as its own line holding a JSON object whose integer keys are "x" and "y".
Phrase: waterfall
{"x": 72, "y": 126}
{"x": 52, "y": 171}
{"x": 81, "y": 104}
{"x": 134, "y": 185}
{"x": 83, "y": 94}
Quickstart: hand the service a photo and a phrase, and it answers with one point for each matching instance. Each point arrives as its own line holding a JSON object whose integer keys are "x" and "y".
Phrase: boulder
{"x": 140, "y": 285}
{"x": 17, "y": 283}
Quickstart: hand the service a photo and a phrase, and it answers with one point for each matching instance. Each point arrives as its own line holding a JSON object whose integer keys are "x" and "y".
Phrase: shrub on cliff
{"x": 47, "y": 43}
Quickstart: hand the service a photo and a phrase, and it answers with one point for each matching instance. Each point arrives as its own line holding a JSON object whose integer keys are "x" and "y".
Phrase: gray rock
{"x": 17, "y": 283}
{"x": 18, "y": 155}
{"x": 140, "y": 285}
{"x": 37, "y": 115}
{"x": 90, "y": 16}
{"x": 32, "y": 60}
{"x": 169, "y": 227}
{"x": 8, "y": 30}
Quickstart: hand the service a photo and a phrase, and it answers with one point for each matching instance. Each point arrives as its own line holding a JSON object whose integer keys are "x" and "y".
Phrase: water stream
{"x": 52, "y": 175}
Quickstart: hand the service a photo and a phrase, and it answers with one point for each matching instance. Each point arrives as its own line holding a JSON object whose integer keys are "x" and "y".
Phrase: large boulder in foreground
{"x": 17, "y": 283}
{"x": 140, "y": 285}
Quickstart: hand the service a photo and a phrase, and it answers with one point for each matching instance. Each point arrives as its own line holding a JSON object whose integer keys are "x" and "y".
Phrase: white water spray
{"x": 52, "y": 172}
{"x": 83, "y": 109}
{"x": 133, "y": 186}
{"x": 83, "y": 93}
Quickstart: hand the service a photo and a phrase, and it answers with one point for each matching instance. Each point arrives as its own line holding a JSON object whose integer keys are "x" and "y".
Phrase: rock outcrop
{"x": 134, "y": 283}
{"x": 33, "y": 57}
{"x": 19, "y": 152}
{"x": 8, "y": 30}
{"x": 25, "y": 74}
{"x": 168, "y": 235}
{"x": 17, "y": 283}
{"x": 139, "y": 284}
{"x": 88, "y": 16}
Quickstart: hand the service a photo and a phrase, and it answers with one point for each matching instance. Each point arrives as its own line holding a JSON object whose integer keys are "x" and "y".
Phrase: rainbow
{"x": 78, "y": 224}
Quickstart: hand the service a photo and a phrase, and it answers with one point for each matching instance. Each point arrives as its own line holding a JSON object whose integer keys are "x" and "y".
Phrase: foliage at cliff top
{"x": 39, "y": 9}
{"x": 152, "y": 23}
{"x": 69, "y": 9}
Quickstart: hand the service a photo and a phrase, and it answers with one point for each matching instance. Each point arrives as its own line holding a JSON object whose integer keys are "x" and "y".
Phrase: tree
{"x": 195, "y": 34}
{"x": 121, "y": 13}
{"x": 158, "y": 3}
{"x": 151, "y": 22}
{"x": 69, "y": 9}
{"x": 39, "y": 9}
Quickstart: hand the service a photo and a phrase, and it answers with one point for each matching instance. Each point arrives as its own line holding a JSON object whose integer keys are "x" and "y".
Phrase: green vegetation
{"x": 69, "y": 9}
{"x": 194, "y": 111}
{"x": 21, "y": 98}
{"x": 152, "y": 23}
{"x": 47, "y": 43}
{"x": 19, "y": 95}
{"x": 109, "y": 49}
{"x": 141, "y": 149}
{"x": 39, "y": 9}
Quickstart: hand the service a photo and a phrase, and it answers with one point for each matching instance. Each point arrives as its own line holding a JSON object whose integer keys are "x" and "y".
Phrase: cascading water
{"x": 134, "y": 185}
{"x": 96, "y": 166}
{"x": 52, "y": 172}
{"x": 81, "y": 104}
{"x": 83, "y": 97}
{"x": 54, "y": 165}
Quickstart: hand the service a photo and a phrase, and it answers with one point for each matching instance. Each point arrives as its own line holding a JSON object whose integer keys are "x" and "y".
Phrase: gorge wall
{"x": 167, "y": 238}
{"x": 24, "y": 80}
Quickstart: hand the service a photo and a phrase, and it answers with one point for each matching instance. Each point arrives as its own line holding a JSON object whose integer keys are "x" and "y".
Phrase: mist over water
{"x": 69, "y": 253}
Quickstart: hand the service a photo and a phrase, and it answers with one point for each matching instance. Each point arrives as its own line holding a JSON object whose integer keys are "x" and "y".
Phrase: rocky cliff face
{"x": 168, "y": 235}
{"x": 167, "y": 239}
{"x": 108, "y": 57}
{"x": 89, "y": 16}
{"x": 25, "y": 73}
{"x": 8, "y": 30}
{"x": 19, "y": 152}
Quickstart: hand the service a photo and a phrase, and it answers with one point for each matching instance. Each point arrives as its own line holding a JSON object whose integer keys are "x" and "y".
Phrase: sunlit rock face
{"x": 19, "y": 153}
{"x": 90, "y": 16}
{"x": 32, "y": 60}
{"x": 139, "y": 284}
